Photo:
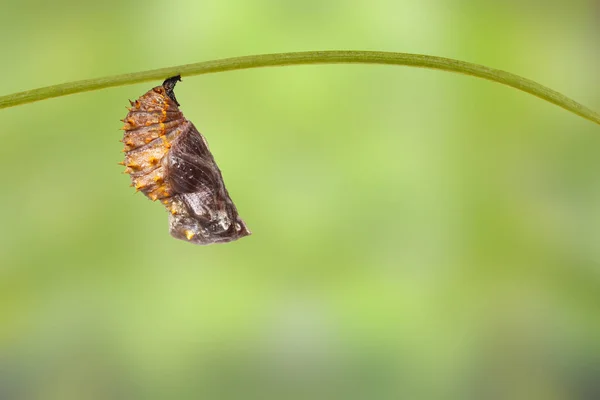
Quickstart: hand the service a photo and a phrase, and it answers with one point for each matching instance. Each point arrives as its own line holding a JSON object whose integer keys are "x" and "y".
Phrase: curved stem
{"x": 309, "y": 57}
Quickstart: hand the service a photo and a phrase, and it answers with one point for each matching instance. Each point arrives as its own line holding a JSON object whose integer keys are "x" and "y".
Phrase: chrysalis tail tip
{"x": 169, "y": 85}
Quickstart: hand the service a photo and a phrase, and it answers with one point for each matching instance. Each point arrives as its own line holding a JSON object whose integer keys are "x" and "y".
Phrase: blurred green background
{"x": 416, "y": 234}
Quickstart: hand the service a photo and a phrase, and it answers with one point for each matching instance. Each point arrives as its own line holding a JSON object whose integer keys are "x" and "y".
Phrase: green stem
{"x": 310, "y": 57}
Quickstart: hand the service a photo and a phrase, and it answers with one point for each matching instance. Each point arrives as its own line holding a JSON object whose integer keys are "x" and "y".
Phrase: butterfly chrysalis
{"x": 169, "y": 160}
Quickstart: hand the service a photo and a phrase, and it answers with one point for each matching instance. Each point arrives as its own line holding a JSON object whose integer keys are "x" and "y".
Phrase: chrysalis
{"x": 169, "y": 160}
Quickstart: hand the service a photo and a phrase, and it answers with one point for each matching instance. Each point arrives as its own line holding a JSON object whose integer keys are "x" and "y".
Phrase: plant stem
{"x": 310, "y": 57}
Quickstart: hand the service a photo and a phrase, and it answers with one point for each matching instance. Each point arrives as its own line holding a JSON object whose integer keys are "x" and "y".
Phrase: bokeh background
{"x": 416, "y": 234}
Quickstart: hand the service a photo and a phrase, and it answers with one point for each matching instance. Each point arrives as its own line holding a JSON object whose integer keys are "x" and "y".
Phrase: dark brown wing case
{"x": 169, "y": 160}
